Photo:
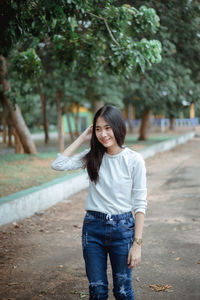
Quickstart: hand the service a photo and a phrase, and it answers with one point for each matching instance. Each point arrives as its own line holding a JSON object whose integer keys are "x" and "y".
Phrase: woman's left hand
{"x": 134, "y": 256}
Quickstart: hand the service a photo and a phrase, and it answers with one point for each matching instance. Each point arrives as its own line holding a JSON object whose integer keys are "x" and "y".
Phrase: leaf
{"x": 177, "y": 258}
{"x": 137, "y": 279}
{"x": 160, "y": 288}
{"x": 82, "y": 294}
{"x": 198, "y": 262}
{"x": 76, "y": 226}
{"x": 15, "y": 225}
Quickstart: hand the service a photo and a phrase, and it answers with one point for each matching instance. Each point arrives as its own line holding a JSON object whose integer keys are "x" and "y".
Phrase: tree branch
{"x": 108, "y": 28}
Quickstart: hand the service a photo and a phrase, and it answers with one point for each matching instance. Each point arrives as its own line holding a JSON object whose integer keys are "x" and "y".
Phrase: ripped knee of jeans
{"x": 98, "y": 290}
{"x": 123, "y": 286}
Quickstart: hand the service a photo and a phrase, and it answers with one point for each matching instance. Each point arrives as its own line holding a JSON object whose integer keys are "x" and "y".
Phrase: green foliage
{"x": 169, "y": 86}
{"x": 105, "y": 88}
{"x": 89, "y": 35}
{"x": 148, "y": 52}
{"x": 27, "y": 64}
{"x": 79, "y": 46}
{"x": 144, "y": 19}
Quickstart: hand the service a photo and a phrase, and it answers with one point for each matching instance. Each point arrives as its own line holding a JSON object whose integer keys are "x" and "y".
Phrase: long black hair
{"x": 93, "y": 158}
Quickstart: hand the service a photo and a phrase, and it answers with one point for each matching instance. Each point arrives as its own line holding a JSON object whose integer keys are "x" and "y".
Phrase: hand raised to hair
{"x": 87, "y": 134}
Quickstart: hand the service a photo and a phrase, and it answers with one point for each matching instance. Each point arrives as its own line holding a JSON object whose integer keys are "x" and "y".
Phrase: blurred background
{"x": 60, "y": 61}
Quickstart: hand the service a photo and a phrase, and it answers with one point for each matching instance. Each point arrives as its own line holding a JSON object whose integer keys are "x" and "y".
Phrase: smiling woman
{"x": 117, "y": 186}
{"x": 108, "y": 134}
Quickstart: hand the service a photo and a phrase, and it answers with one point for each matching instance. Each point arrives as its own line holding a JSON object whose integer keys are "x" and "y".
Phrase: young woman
{"x": 117, "y": 185}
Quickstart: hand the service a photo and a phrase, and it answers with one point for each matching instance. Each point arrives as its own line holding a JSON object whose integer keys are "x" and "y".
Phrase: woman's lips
{"x": 105, "y": 141}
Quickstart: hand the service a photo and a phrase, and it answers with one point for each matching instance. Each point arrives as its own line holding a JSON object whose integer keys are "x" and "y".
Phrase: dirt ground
{"x": 41, "y": 257}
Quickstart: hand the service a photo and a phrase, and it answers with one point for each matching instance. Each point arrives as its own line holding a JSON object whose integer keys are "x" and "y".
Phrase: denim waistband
{"x": 103, "y": 216}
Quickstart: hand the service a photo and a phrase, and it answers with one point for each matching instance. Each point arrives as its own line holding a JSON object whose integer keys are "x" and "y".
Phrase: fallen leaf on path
{"x": 198, "y": 262}
{"x": 76, "y": 226}
{"x": 13, "y": 283}
{"x": 82, "y": 294}
{"x": 160, "y": 288}
{"x": 137, "y": 279}
{"x": 60, "y": 266}
{"x": 177, "y": 258}
{"x": 15, "y": 225}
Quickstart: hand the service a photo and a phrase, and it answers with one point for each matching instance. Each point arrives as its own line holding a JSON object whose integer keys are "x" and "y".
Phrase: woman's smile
{"x": 105, "y": 141}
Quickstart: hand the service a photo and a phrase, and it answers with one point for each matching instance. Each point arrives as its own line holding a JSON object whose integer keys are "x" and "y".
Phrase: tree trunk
{"x": 10, "y": 133}
{"x": 4, "y": 123}
{"x": 59, "y": 123}
{"x": 21, "y": 128}
{"x": 16, "y": 116}
{"x": 144, "y": 125}
{"x": 69, "y": 123}
{"x": 172, "y": 123}
{"x": 77, "y": 119}
{"x": 18, "y": 145}
{"x": 44, "y": 114}
{"x": 130, "y": 118}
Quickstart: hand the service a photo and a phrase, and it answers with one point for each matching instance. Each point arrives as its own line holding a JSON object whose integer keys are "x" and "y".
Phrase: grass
{"x": 22, "y": 171}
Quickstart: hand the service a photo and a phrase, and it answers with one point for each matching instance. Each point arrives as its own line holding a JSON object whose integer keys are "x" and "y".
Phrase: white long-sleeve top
{"x": 122, "y": 181}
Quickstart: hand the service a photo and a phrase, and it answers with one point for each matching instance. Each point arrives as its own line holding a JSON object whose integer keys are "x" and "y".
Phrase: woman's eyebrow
{"x": 97, "y": 126}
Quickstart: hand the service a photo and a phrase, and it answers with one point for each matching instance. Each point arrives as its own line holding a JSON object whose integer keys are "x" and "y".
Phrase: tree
{"x": 164, "y": 88}
{"x": 22, "y": 133}
{"x": 91, "y": 36}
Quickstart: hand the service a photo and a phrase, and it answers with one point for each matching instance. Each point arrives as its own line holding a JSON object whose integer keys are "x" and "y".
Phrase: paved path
{"x": 171, "y": 251}
{"x": 41, "y": 256}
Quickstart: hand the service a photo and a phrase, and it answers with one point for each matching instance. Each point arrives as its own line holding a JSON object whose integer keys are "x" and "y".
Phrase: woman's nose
{"x": 103, "y": 133}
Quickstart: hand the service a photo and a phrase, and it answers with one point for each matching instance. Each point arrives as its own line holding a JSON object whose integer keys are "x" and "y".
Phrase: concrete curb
{"x": 26, "y": 203}
{"x": 42, "y": 198}
{"x": 166, "y": 145}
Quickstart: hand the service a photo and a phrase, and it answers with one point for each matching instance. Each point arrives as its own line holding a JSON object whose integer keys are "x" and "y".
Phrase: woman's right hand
{"x": 84, "y": 137}
{"x": 87, "y": 134}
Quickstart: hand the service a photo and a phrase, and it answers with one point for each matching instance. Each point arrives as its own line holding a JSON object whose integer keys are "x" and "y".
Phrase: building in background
{"x": 84, "y": 118}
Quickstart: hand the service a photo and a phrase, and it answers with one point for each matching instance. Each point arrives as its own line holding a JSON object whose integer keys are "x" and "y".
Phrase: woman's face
{"x": 104, "y": 133}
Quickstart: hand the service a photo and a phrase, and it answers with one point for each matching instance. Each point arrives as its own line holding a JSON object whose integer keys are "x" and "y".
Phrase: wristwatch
{"x": 138, "y": 241}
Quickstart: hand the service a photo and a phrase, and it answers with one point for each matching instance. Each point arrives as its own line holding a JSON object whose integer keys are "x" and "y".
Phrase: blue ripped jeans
{"x": 105, "y": 235}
